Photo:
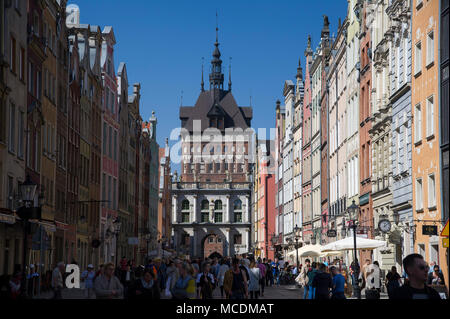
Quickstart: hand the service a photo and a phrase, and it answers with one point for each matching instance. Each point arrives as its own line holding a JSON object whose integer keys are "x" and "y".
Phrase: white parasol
{"x": 348, "y": 244}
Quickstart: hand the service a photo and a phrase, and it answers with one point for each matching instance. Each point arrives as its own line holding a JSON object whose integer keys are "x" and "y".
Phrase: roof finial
{"x": 202, "y": 83}
{"x": 229, "y": 77}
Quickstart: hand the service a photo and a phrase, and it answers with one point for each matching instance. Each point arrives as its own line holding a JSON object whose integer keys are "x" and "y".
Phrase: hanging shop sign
{"x": 331, "y": 233}
{"x": 429, "y": 230}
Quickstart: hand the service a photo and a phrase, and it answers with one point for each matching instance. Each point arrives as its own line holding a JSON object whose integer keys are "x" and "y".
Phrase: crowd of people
{"x": 238, "y": 278}
{"x": 418, "y": 281}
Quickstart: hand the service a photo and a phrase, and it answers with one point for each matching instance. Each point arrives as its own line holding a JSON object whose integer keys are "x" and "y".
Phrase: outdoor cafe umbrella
{"x": 348, "y": 244}
{"x": 330, "y": 253}
{"x": 310, "y": 251}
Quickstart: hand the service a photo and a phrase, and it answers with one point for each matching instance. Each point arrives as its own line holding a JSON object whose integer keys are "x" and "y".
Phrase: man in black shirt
{"x": 417, "y": 270}
{"x": 323, "y": 283}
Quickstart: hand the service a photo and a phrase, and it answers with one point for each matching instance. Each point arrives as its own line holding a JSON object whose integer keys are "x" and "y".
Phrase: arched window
{"x": 237, "y": 207}
{"x": 218, "y": 205}
{"x": 205, "y": 211}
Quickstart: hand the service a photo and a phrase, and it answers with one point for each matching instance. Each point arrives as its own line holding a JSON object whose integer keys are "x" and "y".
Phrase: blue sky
{"x": 163, "y": 42}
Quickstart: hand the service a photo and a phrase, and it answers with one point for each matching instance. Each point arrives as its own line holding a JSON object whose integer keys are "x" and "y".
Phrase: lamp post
{"x": 117, "y": 225}
{"x": 148, "y": 238}
{"x": 352, "y": 210}
{"x": 26, "y": 212}
{"x": 290, "y": 241}
{"x": 297, "y": 238}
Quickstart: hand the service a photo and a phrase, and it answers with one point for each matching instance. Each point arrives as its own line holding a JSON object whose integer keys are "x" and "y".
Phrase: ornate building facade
{"x": 211, "y": 199}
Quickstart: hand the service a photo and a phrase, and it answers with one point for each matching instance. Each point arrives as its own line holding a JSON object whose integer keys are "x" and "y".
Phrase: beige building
{"x": 337, "y": 79}
{"x": 380, "y": 132}
{"x": 13, "y": 111}
{"x": 352, "y": 111}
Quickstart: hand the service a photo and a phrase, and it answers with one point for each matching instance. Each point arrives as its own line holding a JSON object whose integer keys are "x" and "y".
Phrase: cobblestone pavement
{"x": 274, "y": 292}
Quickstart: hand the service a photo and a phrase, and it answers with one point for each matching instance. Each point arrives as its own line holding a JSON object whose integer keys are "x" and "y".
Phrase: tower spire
{"x": 216, "y": 76}
{"x": 229, "y": 76}
{"x": 202, "y": 84}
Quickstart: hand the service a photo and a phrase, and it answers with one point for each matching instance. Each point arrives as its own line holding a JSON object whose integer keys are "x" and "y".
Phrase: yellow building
{"x": 425, "y": 151}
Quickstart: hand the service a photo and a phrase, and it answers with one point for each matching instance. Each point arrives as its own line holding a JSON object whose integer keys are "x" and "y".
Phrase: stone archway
{"x": 212, "y": 244}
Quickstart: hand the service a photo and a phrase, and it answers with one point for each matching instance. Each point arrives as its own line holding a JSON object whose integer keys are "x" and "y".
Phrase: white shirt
{"x": 373, "y": 278}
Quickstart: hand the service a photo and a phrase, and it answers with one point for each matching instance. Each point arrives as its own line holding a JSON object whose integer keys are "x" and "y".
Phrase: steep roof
{"x": 234, "y": 115}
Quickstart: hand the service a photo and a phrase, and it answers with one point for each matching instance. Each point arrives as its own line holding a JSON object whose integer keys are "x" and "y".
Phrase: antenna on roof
{"x": 181, "y": 102}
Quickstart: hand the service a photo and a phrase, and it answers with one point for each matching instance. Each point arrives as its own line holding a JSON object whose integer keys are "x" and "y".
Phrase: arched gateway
{"x": 212, "y": 246}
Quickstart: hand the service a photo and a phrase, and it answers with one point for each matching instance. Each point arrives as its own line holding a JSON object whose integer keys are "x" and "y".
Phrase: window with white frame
{"x": 431, "y": 191}
{"x": 418, "y": 58}
{"x": 430, "y": 48}
{"x": 430, "y": 116}
{"x": 417, "y": 123}
{"x": 419, "y": 192}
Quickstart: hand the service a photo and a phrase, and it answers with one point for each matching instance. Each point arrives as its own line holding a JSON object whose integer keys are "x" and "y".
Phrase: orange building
{"x": 425, "y": 152}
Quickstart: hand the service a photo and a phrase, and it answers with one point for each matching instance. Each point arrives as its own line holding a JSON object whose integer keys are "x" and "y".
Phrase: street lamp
{"x": 148, "y": 238}
{"x": 27, "y": 212}
{"x": 117, "y": 225}
{"x": 297, "y": 238}
{"x": 352, "y": 209}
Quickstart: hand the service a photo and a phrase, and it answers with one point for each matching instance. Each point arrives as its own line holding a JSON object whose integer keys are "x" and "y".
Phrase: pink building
{"x": 306, "y": 150}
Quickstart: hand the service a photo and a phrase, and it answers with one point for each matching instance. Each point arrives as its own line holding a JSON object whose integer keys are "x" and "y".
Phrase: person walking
{"x": 311, "y": 274}
{"x": 221, "y": 275}
{"x": 304, "y": 278}
{"x": 255, "y": 279}
{"x": 393, "y": 280}
{"x": 127, "y": 278}
{"x": 235, "y": 282}
{"x": 373, "y": 281}
{"x": 206, "y": 282}
{"x": 180, "y": 289}
{"x": 172, "y": 277}
{"x": 57, "y": 280}
{"x": 15, "y": 286}
{"x": 108, "y": 286}
{"x": 269, "y": 273}
{"x": 88, "y": 278}
{"x": 322, "y": 283}
{"x": 145, "y": 287}
{"x": 338, "y": 283}
{"x": 416, "y": 288}
{"x": 262, "y": 270}
{"x": 436, "y": 278}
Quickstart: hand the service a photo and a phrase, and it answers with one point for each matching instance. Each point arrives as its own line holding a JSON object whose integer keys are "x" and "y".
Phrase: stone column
{"x": 195, "y": 217}
{"x": 247, "y": 241}
{"x": 175, "y": 240}
{"x": 194, "y": 242}
{"x": 228, "y": 242}
{"x": 246, "y": 218}
{"x": 227, "y": 210}
{"x": 174, "y": 209}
